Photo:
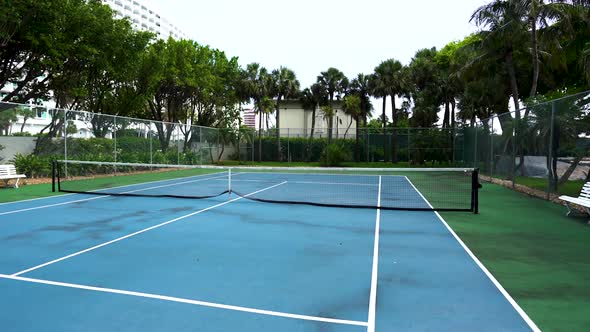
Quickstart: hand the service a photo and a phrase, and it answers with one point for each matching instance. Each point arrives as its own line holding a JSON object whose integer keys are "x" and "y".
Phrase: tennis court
{"x": 100, "y": 259}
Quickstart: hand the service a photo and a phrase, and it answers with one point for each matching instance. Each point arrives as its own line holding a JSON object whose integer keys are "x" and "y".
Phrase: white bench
{"x": 8, "y": 172}
{"x": 583, "y": 200}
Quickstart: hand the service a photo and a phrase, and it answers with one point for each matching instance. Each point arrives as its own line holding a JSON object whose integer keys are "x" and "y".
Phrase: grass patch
{"x": 537, "y": 253}
{"x": 570, "y": 188}
{"x": 96, "y": 183}
{"x": 26, "y": 192}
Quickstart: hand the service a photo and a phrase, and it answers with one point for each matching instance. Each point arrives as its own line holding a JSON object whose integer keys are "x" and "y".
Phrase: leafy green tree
{"x": 425, "y": 88}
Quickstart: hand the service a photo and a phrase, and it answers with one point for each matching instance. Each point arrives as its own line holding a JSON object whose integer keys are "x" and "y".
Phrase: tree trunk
{"x": 535, "y": 49}
{"x": 453, "y": 104}
{"x": 348, "y": 128}
{"x": 515, "y": 98}
{"x": 513, "y": 84}
{"x": 570, "y": 170}
{"x": 22, "y": 128}
{"x": 446, "y": 116}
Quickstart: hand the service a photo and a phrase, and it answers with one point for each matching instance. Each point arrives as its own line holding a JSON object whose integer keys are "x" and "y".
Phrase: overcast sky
{"x": 309, "y": 36}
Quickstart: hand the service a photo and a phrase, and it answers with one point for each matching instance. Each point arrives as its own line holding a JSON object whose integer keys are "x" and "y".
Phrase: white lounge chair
{"x": 583, "y": 200}
{"x": 8, "y": 172}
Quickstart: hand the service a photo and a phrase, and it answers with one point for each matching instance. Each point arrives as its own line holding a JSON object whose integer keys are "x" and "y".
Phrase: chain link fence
{"x": 404, "y": 146}
{"x": 543, "y": 149}
{"x": 31, "y": 136}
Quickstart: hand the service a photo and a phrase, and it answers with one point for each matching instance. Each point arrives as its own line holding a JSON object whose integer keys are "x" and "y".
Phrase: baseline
{"x": 187, "y": 301}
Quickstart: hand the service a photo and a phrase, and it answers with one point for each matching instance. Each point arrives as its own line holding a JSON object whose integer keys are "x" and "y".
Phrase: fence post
{"x": 368, "y": 144}
{"x": 550, "y": 154}
{"x": 513, "y": 162}
{"x": 408, "y": 143}
{"x": 200, "y": 145}
{"x": 115, "y": 136}
{"x": 177, "y": 144}
{"x": 288, "y": 146}
{"x": 149, "y": 132}
{"x": 65, "y": 135}
{"x": 491, "y": 150}
{"x": 453, "y": 145}
{"x": 475, "y": 146}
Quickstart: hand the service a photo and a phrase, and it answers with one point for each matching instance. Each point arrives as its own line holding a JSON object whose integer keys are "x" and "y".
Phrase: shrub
{"x": 31, "y": 165}
{"x": 334, "y": 154}
{"x": 23, "y": 134}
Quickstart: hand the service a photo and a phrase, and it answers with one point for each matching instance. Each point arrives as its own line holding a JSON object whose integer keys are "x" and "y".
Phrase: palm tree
{"x": 388, "y": 81}
{"x": 286, "y": 85}
{"x": 258, "y": 85}
{"x": 310, "y": 99}
{"x": 352, "y": 108}
{"x": 506, "y": 35}
{"x": 538, "y": 14}
{"x": 334, "y": 83}
{"x": 360, "y": 87}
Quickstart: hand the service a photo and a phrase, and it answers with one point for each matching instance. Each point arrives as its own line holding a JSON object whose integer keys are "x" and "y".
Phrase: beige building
{"x": 296, "y": 121}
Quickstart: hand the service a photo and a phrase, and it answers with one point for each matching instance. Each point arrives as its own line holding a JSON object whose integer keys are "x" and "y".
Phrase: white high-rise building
{"x": 145, "y": 18}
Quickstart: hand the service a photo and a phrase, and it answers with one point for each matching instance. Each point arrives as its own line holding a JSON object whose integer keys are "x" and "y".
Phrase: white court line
{"x": 105, "y": 196}
{"x": 187, "y": 301}
{"x": 140, "y": 231}
{"x": 509, "y": 298}
{"x": 375, "y": 273}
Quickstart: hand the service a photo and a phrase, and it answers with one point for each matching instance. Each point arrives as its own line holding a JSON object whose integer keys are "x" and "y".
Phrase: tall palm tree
{"x": 537, "y": 14}
{"x": 506, "y": 34}
{"x": 258, "y": 84}
{"x": 360, "y": 87}
{"x": 334, "y": 84}
{"x": 286, "y": 85}
{"x": 388, "y": 81}
{"x": 310, "y": 99}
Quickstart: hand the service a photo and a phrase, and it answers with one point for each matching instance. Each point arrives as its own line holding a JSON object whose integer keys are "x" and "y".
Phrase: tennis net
{"x": 442, "y": 189}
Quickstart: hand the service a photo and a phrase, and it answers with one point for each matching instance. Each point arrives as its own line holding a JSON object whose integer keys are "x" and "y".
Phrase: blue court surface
{"x": 83, "y": 262}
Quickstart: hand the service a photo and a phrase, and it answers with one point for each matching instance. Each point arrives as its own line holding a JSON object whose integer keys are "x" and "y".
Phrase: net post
{"x": 475, "y": 191}
{"x": 65, "y": 135}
